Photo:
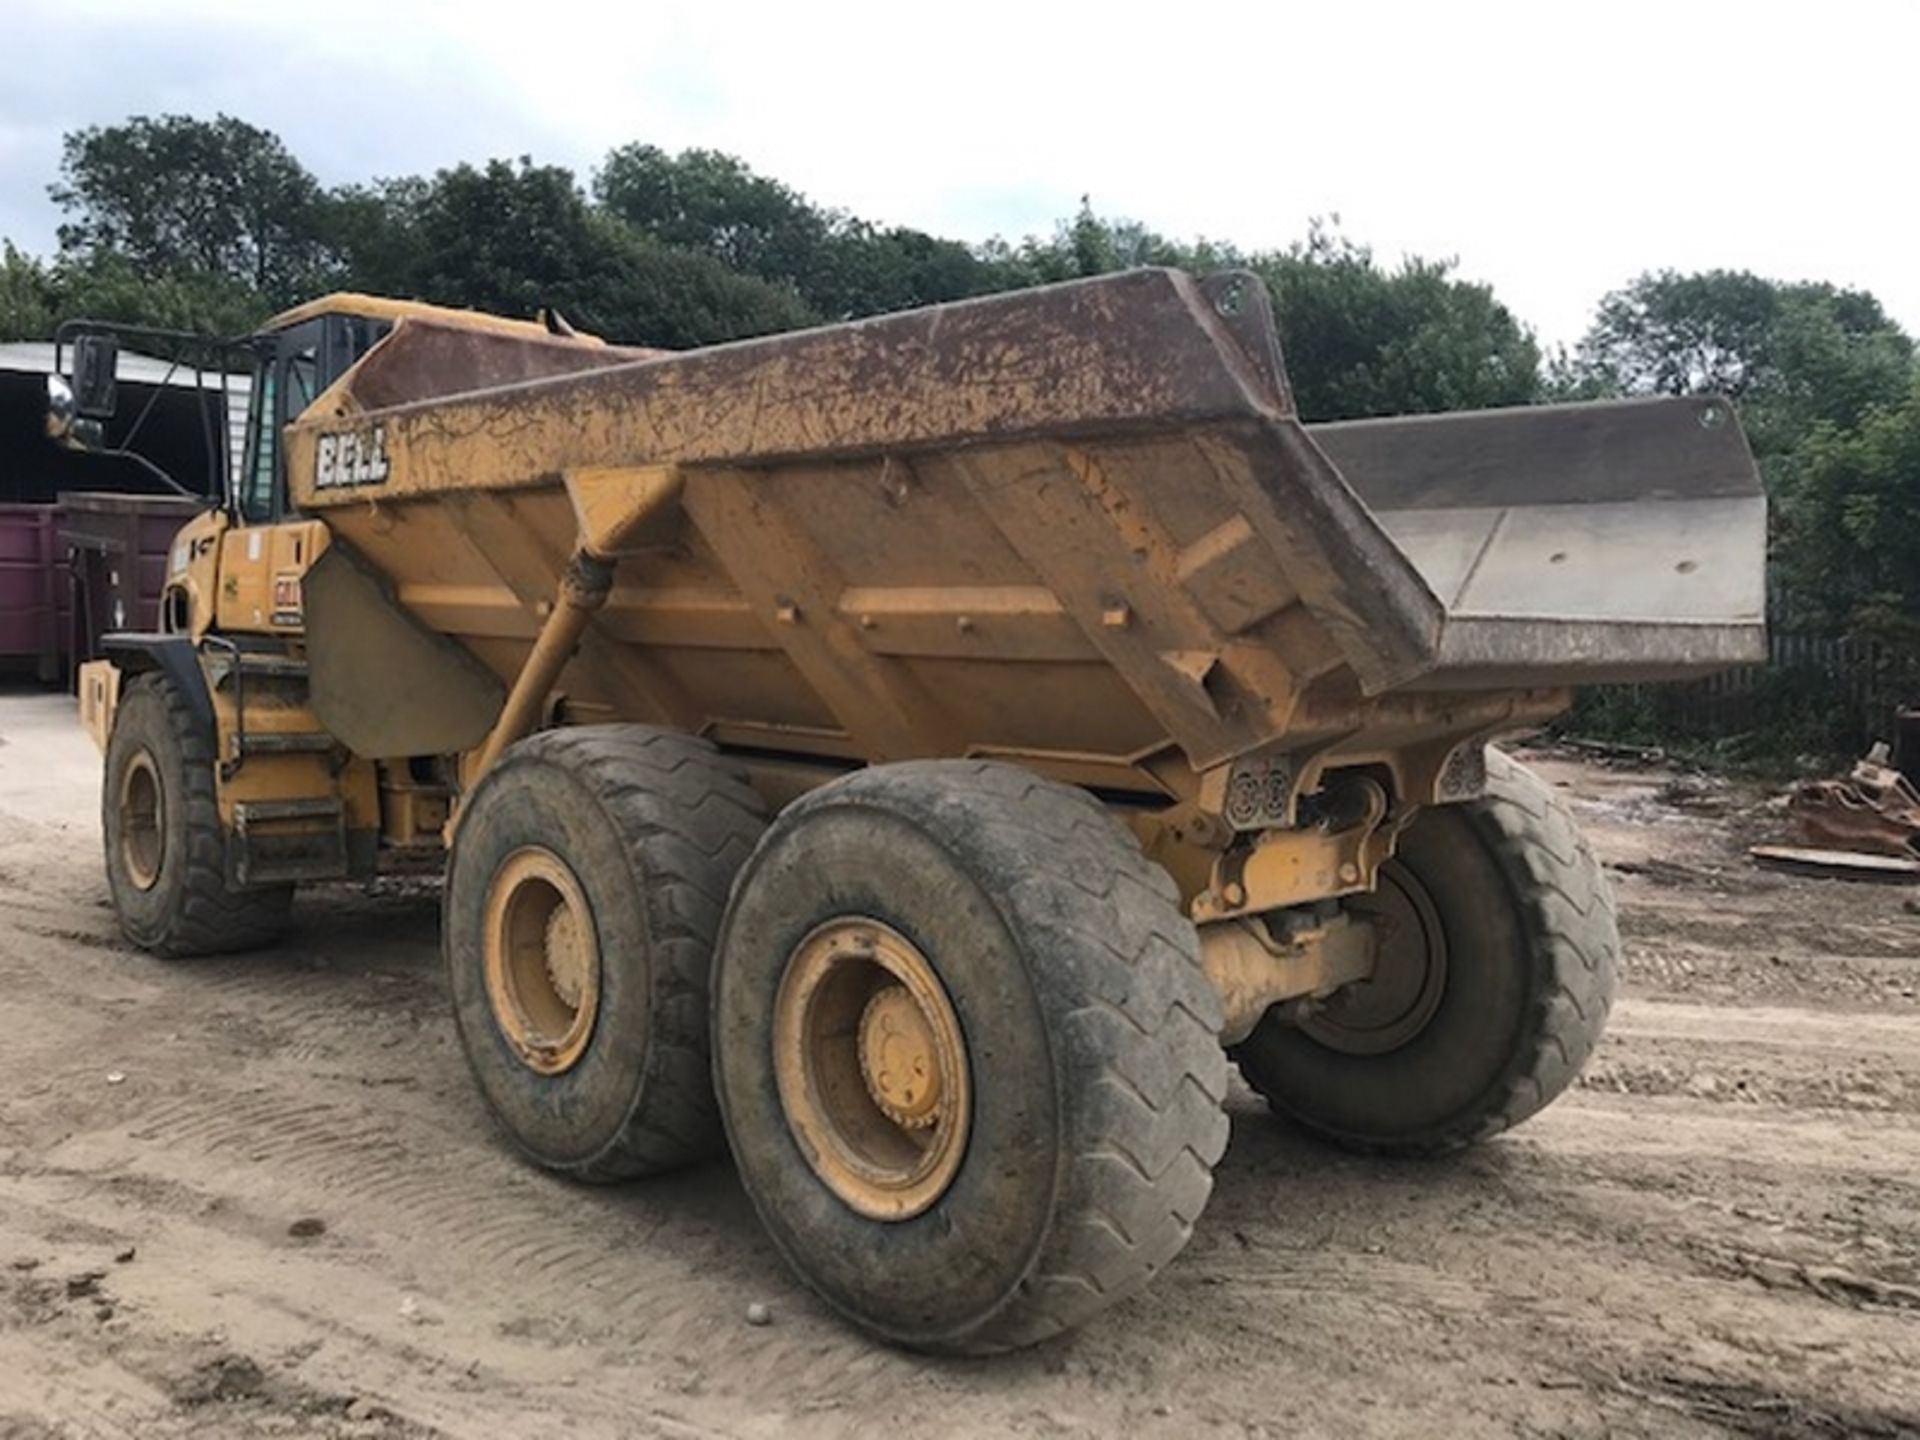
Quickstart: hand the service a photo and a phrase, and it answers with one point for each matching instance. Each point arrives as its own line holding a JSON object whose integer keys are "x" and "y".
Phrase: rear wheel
{"x": 968, "y": 1061}
{"x": 589, "y": 872}
{"x": 1495, "y": 975}
{"x": 165, "y": 849}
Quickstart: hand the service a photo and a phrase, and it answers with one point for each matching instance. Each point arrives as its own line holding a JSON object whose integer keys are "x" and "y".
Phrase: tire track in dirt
{"x": 1795, "y": 1058}
{"x": 819, "y": 1363}
{"x": 458, "y": 1207}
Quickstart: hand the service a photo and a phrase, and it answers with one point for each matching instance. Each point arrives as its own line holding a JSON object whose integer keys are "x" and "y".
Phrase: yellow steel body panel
{"x": 260, "y": 570}
{"x": 876, "y": 611}
{"x": 273, "y": 711}
{"x": 99, "y": 683}
{"x": 193, "y": 572}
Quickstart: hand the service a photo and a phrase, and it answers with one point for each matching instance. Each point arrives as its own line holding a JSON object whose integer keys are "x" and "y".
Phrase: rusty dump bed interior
{"x": 1081, "y": 524}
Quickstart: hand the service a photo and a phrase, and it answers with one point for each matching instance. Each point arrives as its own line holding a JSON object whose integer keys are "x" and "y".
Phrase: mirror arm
{"x": 152, "y": 469}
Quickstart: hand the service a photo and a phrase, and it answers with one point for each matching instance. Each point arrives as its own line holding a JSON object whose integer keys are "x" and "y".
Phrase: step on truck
{"x": 926, "y": 754}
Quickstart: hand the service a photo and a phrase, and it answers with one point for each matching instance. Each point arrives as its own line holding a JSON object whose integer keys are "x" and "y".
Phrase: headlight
{"x": 59, "y": 408}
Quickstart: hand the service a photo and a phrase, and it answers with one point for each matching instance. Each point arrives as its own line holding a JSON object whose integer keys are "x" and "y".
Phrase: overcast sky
{"x": 1556, "y": 150}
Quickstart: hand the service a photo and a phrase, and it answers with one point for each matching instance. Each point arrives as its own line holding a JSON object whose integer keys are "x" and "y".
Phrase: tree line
{"x": 214, "y": 224}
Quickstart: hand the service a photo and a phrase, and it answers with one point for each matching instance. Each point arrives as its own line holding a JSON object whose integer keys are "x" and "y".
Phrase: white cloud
{"x": 1556, "y": 150}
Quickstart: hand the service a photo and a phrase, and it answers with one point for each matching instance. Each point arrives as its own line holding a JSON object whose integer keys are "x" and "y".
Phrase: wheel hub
{"x": 142, "y": 814}
{"x": 567, "y": 959}
{"x": 872, "y": 1068}
{"x": 542, "y": 960}
{"x": 898, "y": 1059}
{"x": 1392, "y": 1006}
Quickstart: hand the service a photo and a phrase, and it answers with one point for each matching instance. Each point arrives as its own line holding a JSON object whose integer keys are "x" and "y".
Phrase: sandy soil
{"x": 258, "y": 1197}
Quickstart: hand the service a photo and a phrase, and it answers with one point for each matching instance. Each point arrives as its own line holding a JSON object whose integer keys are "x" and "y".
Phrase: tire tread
{"x": 1567, "y": 912}
{"x": 1136, "y": 1027}
{"x": 690, "y": 819}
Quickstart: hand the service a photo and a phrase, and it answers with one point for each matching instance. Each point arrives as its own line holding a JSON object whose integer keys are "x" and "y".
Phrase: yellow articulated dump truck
{"x": 928, "y": 752}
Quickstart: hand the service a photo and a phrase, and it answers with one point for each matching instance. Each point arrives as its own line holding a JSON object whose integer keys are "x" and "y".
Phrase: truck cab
{"x": 226, "y": 730}
{"x": 300, "y": 354}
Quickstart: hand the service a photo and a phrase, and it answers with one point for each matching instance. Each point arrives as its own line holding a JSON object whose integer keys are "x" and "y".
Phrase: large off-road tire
{"x": 165, "y": 850}
{"x": 589, "y": 874}
{"x": 967, "y": 1057}
{"x": 1492, "y": 988}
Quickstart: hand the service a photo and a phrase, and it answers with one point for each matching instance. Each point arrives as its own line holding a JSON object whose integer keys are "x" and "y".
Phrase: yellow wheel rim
{"x": 542, "y": 960}
{"x": 872, "y": 1068}
{"x": 143, "y": 821}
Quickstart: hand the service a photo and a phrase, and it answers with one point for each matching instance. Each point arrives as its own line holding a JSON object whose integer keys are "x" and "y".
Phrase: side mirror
{"x": 65, "y": 426}
{"x": 60, "y": 412}
{"x": 96, "y": 362}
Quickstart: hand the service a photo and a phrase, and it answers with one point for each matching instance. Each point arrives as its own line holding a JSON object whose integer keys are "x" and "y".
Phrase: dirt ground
{"x": 258, "y": 1196}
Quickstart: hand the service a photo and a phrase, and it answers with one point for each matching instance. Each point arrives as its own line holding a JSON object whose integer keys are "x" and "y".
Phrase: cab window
{"x": 303, "y": 380}
{"x": 304, "y": 361}
{"x": 287, "y": 381}
{"x": 258, "y": 483}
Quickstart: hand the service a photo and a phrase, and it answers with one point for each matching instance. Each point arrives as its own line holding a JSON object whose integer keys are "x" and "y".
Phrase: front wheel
{"x": 165, "y": 848}
{"x": 966, "y": 1055}
{"x": 1498, "y": 954}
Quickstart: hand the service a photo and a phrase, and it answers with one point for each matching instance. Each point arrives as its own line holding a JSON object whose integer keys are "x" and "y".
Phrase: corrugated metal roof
{"x": 35, "y": 357}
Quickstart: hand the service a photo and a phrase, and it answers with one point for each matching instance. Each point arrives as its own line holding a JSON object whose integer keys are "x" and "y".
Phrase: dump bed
{"x": 1601, "y": 541}
{"x": 1081, "y": 524}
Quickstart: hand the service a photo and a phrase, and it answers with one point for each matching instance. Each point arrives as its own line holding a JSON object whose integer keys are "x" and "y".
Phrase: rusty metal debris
{"x": 1873, "y": 811}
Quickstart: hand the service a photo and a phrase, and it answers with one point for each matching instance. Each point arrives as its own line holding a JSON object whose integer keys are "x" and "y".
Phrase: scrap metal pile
{"x": 1874, "y": 810}
{"x": 1865, "y": 826}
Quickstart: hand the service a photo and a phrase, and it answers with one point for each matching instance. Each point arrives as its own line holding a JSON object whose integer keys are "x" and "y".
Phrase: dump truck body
{"x": 1079, "y": 527}
{"x": 958, "y": 724}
